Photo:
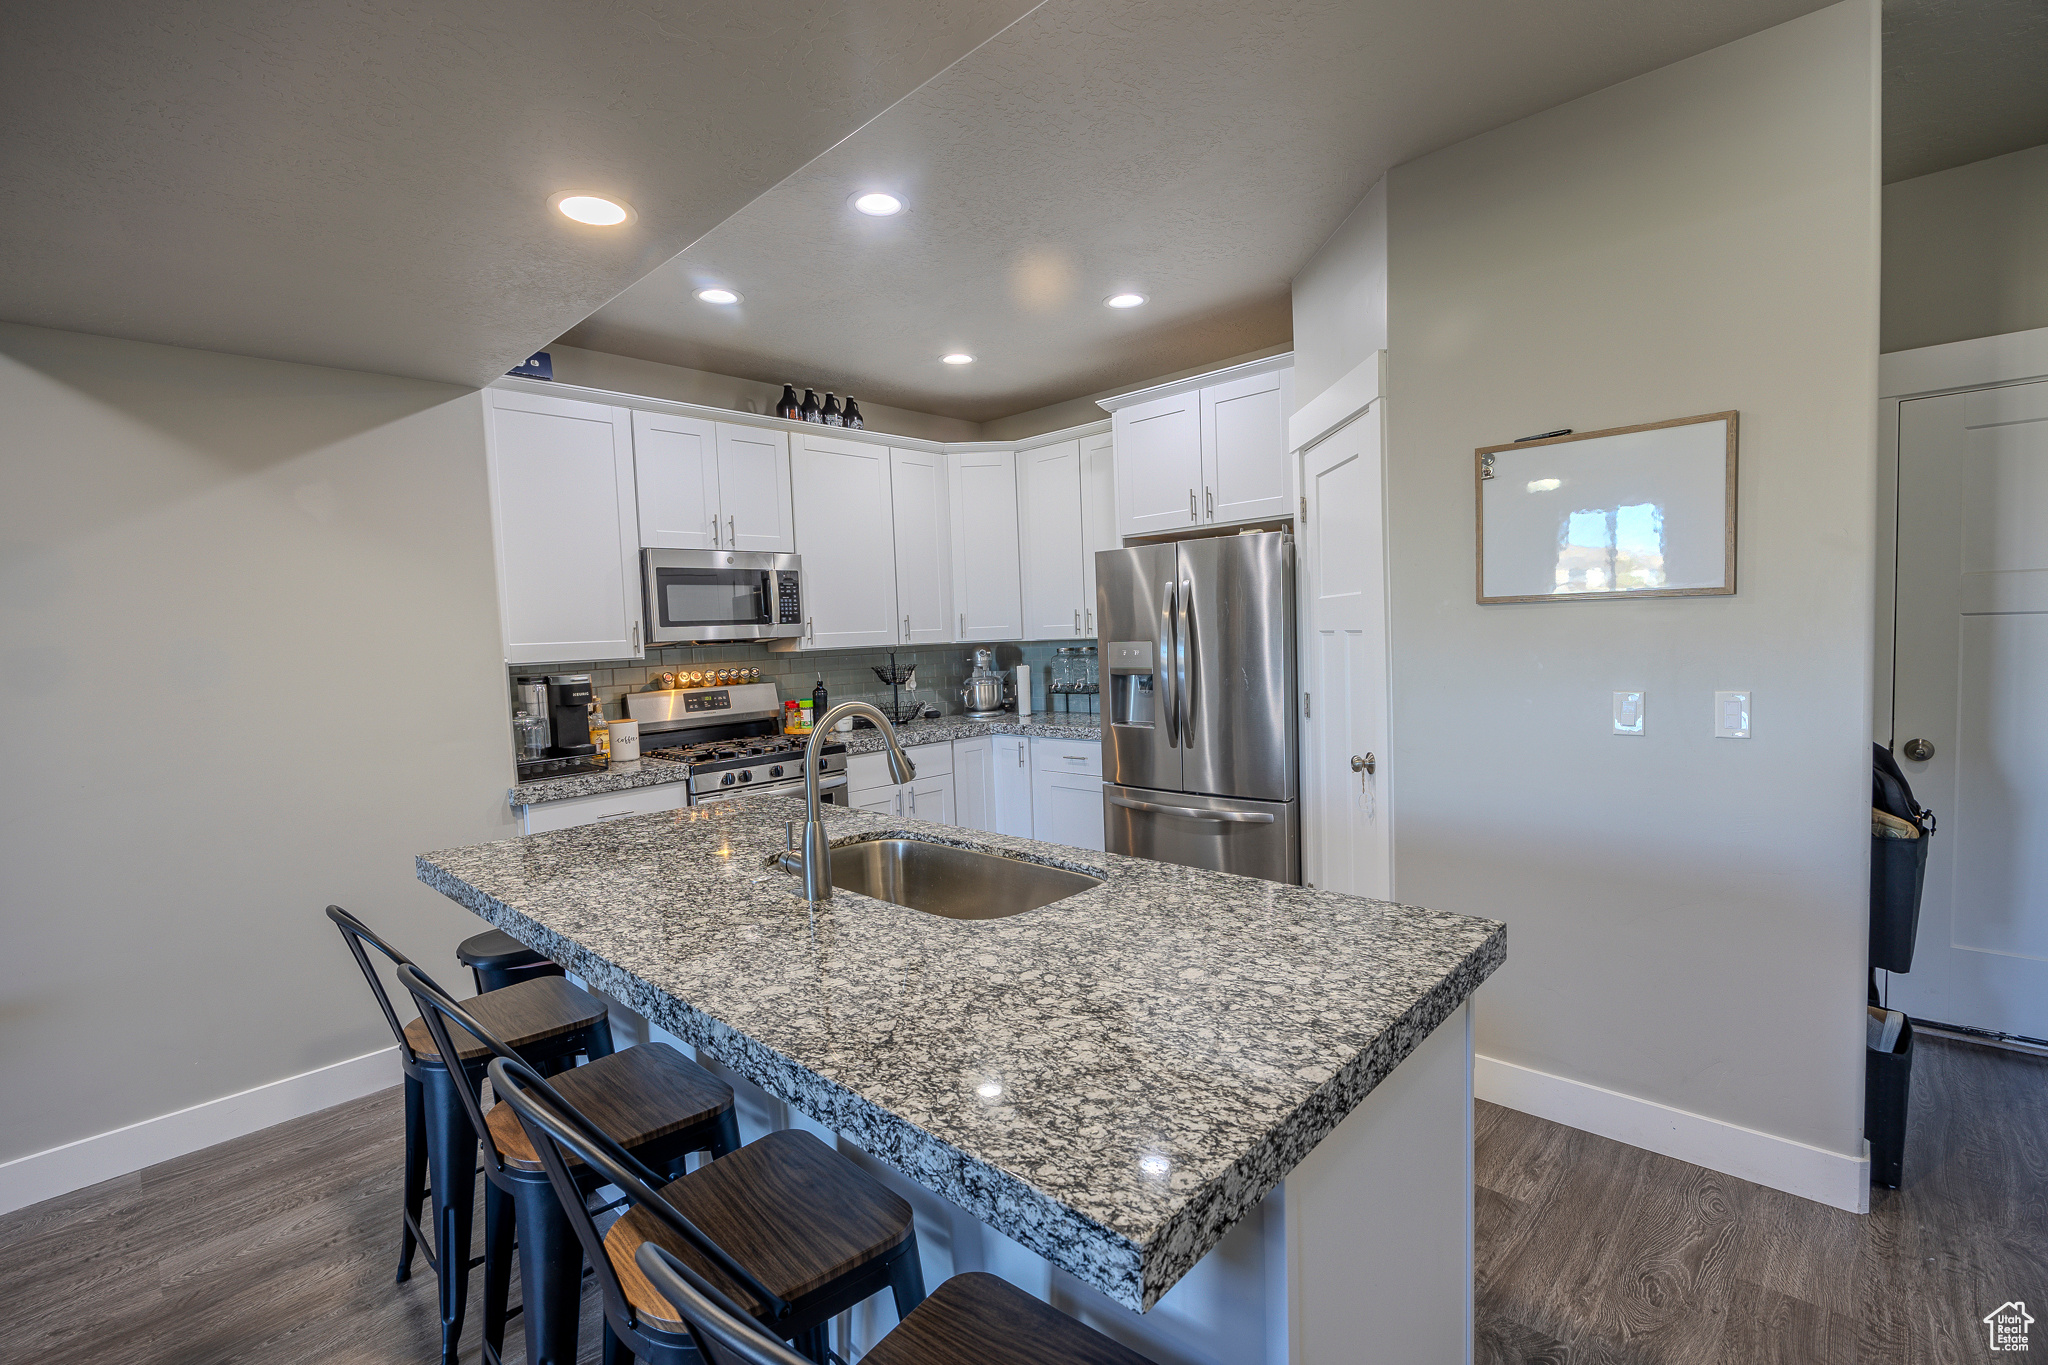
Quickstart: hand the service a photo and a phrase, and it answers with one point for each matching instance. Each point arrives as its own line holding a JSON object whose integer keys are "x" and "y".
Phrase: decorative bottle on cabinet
{"x": 810, "y": 411}
{"x": 852, "y": 415}
{"x": 787, "y": 406}
{"x": 831, "y": 416}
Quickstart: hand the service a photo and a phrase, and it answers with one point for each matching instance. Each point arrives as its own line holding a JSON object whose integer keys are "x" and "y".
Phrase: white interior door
{"x": 924, "y": 579}
{"x": 1346, "y": 669}
{"x": 1971, "y": 678}
{"x": 1049, "y": 537}
{"x": 753, "y": 489}
{"x": 676, "y": 463}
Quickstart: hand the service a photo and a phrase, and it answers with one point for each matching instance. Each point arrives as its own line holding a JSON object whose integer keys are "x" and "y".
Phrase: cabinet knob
{"x": 1918, "y": 750}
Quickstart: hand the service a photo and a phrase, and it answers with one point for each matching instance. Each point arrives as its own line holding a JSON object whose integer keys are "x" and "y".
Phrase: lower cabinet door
{"x": 930, "y": 799}
{"x": 881, "y": 800}
{"x": 974, "y": 783}
{"x": 591, "y": 810}
{"x": 1066, "y": 808}
{"x": 1010, "y": 786}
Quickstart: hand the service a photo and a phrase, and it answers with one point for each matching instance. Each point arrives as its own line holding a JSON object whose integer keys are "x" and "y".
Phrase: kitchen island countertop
{"x": 1111, "y": 1080}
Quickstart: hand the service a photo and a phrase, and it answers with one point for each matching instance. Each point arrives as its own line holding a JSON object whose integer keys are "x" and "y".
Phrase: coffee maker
{"x": 569, "y": 715}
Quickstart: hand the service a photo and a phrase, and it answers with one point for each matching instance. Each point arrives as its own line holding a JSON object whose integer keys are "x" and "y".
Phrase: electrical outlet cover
{"x": 1628, "y": 713}
{"x": 1731, "y": 715}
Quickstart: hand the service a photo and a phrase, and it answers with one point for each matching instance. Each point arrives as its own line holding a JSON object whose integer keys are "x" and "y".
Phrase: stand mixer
{"x": 982, "y": 694}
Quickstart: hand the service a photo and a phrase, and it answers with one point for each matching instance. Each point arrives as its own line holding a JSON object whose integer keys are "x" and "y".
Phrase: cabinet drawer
{"x": 1067, "y": 756}
{"x": 872, "y": 770}
{"x": 589, "y": 810}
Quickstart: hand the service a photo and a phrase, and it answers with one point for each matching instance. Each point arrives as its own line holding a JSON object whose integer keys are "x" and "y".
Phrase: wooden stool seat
{"x": 793, "y": 1211}
{"x": 638, "y": 1096}
{"x": 977, "y": 1319}
{"x": 522, "y": 1014}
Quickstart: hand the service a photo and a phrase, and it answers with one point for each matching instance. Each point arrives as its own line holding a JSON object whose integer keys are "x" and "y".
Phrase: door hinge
{"x": 1304, "y": 706}
{"x": 1304, "y": 509}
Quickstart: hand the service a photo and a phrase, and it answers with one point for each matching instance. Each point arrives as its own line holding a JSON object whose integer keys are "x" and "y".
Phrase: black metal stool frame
{"x": 550, "y": 1258}
{"x": 555, "y": 1126}
{"x": 439, "y": 1165}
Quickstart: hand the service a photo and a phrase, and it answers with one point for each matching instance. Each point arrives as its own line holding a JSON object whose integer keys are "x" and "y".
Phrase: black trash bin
{"x": 1887, "y": 1076}
{"x": 1898, "y": 871}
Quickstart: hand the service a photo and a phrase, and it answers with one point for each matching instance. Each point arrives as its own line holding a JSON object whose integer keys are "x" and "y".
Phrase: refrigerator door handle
{"x": 1183, "y": 682}
{"x": 1228, "y": 817}
{"x": 1169, "y": 702}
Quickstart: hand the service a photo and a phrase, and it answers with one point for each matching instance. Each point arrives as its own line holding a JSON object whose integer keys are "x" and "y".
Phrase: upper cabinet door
{"x": 1159, "y": 465}
{"x": 1049, "y": 533}
{"x": 924, "y": 549}
{"x": 676, "y": 459}
{"x": 844, "y": 531}
{"x": 1098, "y": 517}
{"x": 1246, "y": 475}
{"x": 562, "y": 508}
{"x": 753, "y": 489}
{"x": 986, "y": 600}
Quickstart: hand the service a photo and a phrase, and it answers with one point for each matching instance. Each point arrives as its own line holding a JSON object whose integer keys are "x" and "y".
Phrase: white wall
{"x": 1340, "y": 299}
{"x": 1966, "y": 252}
{"x": 652, "y": 379}
{"x": 252, "y": 665}
{"x": 1687, "y": 915}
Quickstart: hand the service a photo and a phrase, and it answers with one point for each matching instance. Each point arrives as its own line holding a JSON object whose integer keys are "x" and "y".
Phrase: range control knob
{"x": 775, "y": 771}
{"x": 725, "y": 781}
{"x": 746, "y": 774}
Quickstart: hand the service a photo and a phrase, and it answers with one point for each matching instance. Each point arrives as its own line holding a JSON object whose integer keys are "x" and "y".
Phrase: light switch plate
{"x": 1731, "y": 715}
{"x": 1628, "y": 713}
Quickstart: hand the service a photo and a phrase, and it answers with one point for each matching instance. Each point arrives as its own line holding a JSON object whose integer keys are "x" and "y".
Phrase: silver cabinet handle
{"x": 811, "y": 629}
{"x": 714, "y": 531}
{"x": 636, "y": 639}
{"x": 906, "y": 630}
{"x": 1228, "y": 817}
{"x": 732, "y": 535}
{"x": 1209, "y": 496}
{"x": 963, "y": 623}
{"x": 1020, "y": 753}
{"x": 1073, "y": 758}
{"x": 1091, "y": 620}
{"x": 1191, "y": 506}
{"x": 911, "y": 792}
{"x": 614, "y": 815}
{"x": 1077, "y": 620}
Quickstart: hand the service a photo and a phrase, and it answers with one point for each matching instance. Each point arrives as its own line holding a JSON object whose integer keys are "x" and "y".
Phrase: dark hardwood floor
{"x": 279, "y": 1247}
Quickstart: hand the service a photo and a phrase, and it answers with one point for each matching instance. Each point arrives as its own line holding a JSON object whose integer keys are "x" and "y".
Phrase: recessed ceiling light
{"x": 1124, "y": 300}
{"x": 718, "y": 296}
{"x": 876, "y": 204}
{"x": 592, "y": 209}
{"x": 958, "y": 358}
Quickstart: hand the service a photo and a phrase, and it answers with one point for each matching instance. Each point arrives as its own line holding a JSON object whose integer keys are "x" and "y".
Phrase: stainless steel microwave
{"x": 721, "y": 595}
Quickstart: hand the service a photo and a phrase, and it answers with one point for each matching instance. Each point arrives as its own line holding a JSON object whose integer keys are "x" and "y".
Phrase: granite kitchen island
{"x": 1220, "y": 1118}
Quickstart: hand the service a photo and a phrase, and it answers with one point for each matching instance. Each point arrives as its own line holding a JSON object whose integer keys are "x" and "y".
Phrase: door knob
{"x": 1367, "y": 764}
{"x": 1919, "y": 750}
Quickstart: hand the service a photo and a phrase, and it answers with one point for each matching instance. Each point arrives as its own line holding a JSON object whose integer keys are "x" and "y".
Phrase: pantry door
{"x": 1971, "y": 681}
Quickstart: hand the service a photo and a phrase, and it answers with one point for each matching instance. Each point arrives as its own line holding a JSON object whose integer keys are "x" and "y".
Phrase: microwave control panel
{"x": 790, "y": 607}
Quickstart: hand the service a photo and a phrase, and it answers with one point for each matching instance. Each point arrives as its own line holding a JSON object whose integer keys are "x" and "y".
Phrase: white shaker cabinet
{"x": 675, "y": 461}
{"x": 1066, "y": 792}
{"x": 754, "y": 490}
{"x": 974, "y": 782}
{"x": 1159, "y": 465}
{"x": 924, "y": 550}
{"x": 929, "y": 798}
{"x": 1050, "y": 534}
{"x": 987, "y": 604}
{"x": 1207, "y": 455}
{"x": 1098, "y": 516}
{"x": 711, "y": 485}
{"x": 845, "y": 522}
{"x": 1246, "y": 474}
{"x": 565, "y": 528}
{"x": 1010, "y": 785}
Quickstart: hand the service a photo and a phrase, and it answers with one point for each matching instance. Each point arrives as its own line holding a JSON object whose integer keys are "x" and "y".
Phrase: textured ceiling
{"x": 1195, "y": 150}
{"x": 363, "y": 183}
{"x": 1963, "y": 80}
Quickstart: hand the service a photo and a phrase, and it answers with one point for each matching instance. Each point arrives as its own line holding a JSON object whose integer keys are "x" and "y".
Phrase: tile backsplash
{"x": 848, "y": 673}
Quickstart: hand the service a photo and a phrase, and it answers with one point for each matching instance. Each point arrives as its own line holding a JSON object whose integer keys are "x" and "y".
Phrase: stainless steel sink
{"x": 958, "y": 883}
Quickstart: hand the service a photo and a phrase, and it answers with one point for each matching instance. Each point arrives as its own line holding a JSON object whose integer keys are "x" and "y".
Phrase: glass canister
{"x": 1090, "y": 675}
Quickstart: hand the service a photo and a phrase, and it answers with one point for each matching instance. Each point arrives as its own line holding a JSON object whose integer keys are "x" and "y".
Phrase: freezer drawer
{"x": 1250, "y": 838}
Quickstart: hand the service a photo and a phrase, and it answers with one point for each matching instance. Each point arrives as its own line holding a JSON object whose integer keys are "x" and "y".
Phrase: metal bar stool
{"x": 789, "y": 1230}
{"x": 652, "y": 1100}
{"x": 548, "y": 1021}
{"x": 497, "y": 959}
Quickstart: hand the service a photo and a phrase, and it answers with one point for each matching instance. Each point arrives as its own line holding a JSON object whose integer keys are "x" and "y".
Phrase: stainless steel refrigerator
{"x": 1199, "y": 753}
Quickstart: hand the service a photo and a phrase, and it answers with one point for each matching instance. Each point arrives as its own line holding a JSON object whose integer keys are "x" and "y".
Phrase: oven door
{"x": 715, "y": 595}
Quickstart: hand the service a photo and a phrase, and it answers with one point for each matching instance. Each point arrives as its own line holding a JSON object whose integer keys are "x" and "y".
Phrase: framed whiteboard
{"x": 1644, "y": 511}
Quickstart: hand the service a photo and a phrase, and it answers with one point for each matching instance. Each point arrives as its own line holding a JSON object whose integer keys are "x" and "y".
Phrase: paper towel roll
{"x": 1023, "y": 689}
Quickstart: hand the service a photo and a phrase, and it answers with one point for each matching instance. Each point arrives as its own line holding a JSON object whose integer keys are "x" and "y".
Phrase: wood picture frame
{"x": 1644, "y": 486}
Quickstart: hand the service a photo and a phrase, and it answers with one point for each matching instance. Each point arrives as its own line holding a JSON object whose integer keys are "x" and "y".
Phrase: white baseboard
{"x": 44, "y": 1175}
{"x": 1762, "y": 1158}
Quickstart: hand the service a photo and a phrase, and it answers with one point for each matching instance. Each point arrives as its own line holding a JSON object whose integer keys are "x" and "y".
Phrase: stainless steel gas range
{"x": 731, "y": 740}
